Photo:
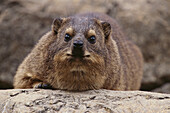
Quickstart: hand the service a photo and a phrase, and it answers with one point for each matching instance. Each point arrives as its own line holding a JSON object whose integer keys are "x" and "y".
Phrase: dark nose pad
{"x": 78, "y": 48}
{"x": 78, "y": 44}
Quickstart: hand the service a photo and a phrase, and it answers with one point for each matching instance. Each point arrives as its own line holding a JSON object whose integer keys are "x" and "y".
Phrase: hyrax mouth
{"x": 76, "y": 53}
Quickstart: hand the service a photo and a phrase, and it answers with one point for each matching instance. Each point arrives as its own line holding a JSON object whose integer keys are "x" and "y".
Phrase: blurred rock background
{"x": 146, "y": 22}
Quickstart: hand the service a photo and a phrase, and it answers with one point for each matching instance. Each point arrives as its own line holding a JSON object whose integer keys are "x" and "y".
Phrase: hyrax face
{"x": 80, "y": 53}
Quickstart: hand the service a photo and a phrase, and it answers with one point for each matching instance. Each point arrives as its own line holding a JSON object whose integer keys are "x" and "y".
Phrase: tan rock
{"x": 105, "y": 101}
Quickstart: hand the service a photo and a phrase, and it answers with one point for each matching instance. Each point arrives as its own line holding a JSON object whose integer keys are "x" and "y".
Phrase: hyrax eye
{"x": 92, "y": 39}
{"x": 67, "y": 38}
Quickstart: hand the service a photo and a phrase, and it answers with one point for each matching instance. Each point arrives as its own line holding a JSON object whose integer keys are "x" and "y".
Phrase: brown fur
{"x": 113, "y": 62}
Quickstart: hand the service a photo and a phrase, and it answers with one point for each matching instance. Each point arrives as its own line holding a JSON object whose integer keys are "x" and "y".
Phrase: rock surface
{"x": 163, "y": 89}
{"x": 146, "y": 22}
{"x": 101, "y": 101}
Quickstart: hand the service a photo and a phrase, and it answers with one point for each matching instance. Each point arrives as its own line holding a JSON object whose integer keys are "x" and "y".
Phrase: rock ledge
{"x": 36, "y": 100}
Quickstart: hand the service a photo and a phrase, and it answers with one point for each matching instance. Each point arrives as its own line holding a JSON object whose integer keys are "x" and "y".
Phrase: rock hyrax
{"x": 82, "y": 52}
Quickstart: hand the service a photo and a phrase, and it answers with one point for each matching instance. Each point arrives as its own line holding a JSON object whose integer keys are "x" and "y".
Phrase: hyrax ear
{"x": 57, "y": 24}
{"x": 106, "y": 29}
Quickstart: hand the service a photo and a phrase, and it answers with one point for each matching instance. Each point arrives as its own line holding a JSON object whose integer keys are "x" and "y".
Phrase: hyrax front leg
{"x": 28, "y": 80}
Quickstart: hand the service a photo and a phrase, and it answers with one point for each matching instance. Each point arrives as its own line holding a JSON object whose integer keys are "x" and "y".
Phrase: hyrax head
{"x": 80, "y": 37}
{"x": 80, "y": 52}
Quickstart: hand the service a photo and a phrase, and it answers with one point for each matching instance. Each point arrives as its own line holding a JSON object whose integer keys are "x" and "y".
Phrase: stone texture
{"x": 146, "y": 22}
{"x": 96, "y": 101}
{"x": 165, "y": 88}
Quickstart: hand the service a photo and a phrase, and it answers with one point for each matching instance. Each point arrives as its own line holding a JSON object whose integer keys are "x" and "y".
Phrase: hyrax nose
{"x": 78, "y": 44}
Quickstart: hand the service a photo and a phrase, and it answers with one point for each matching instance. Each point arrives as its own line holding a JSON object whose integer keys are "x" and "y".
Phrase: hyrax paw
{"x": 42, "y": 86}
